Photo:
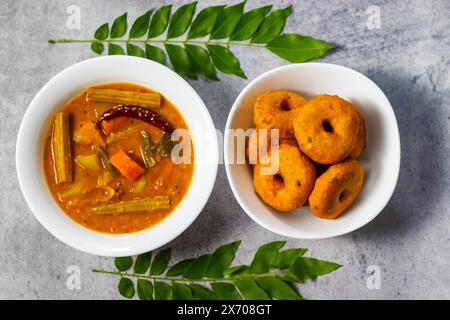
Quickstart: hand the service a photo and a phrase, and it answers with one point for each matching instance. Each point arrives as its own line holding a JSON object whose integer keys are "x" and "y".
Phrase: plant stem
{"x": 226, "y": 43}
{"x": 144, "y": 276}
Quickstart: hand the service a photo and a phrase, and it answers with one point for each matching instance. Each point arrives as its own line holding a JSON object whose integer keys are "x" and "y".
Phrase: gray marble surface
{"x": 408, "y": 58}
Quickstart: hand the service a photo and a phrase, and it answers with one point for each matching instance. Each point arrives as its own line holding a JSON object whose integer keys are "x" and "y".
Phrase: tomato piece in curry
{"x": 132, "y": 192}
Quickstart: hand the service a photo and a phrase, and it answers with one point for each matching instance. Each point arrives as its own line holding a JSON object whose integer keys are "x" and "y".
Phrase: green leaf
{"x": 181, "y": 19}
{"x": 102, "y": 32}
{"x": 225, "y": 61}
{"x": 144, "y": 289}
{"x": 306, "y": 268}
{"x": 250, "y": 290}
{"x": 142, "y": 263}
{"x": 160, "y": 262}
{"x": 235, "y": 270}
{"x": 97, "y": 47}
{"x": 297, "y": 48}
{"x": 278, "y": 289}
{"x": 249, "y": 23}
{"x": 134, "y": 50}
{"x": 287, "y": 258}
{"x": 181, "y": 291}
{"x": 180, "y": 60}
{"x": 227, "y": 21}
{"x": 272, "y": 25}
{"x": 201, "y": 62}
{"x": 221, "y": 259}
{"x": 198, "y": 268}
{"x": 123, "y": 263}
{"x": 119, "y": 26}
{"x": 264, "y": 257}
{"x": 126, "y": 288}
{"x": 225, "y": 291}
{"x": 155, "y": 54}
{"x": 159, "y": 22}
{"x": 114, "y": 49}
{"x": 202, "y": 293}
{"x": 163, "y": 291}
{"x": 140, "y": 26}
{"x": 179, "y": 268}
{"x": 203, "y": 24}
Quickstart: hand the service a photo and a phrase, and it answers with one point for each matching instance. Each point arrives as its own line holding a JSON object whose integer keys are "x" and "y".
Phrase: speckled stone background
{"x": 408, "y": 58}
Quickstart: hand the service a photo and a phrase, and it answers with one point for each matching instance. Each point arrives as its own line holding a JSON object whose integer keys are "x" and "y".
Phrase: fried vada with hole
{"x": 276, "y": 109}
{"x": 289, "y": 187}
{"x": 336, "y": 189}
{"x": 326, "y": 129}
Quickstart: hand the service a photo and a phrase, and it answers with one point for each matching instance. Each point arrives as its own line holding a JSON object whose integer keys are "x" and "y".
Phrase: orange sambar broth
{"x": 166, "y": 178}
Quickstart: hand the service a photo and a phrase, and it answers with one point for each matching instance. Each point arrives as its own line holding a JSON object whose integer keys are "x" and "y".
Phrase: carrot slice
{"x": 126, "y": 166}
{"x": 114, "y": 124}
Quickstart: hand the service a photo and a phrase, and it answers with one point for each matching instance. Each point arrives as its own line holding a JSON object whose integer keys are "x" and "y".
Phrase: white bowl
{"x": 381, "y": 159}
{"x": 60, "y": 90}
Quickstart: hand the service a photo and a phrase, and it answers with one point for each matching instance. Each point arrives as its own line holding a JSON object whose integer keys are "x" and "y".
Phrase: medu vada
{"x": 361, "y": 142}
{"x": 336, "y": 189}
{"x": 326, "y": 129}
{"x": 276, "y": 109}
{"x": 288, "y": 187}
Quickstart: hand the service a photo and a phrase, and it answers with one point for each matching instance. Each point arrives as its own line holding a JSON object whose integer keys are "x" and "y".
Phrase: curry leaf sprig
{"x": 272, "y": 274}
{"x": 199, "y": 45}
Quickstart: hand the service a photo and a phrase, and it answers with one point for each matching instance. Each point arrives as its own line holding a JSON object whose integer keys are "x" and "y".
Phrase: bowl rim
{"x": 207, "y": 188}
{"x": 242, "y": 201}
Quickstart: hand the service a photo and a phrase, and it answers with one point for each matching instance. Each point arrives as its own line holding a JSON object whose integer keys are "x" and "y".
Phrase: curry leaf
{"x": 126, "y": 288}
{"x": 225, "y": 291}
{"x": 97, "y": 47}
{"x": 140, "y": 26}
{"x": 249, "y": 23}
{"x": 119, "y": 26}
{"x": 202, "y": 293}
{"x": 159, "y": 22}
{"x": 123, "y": 263}
{"x": 181, "y": 20}
{"x": 221, "y": 259}
{"x": 227, "y": 21}
{"x": 278, "y": 289}
{"x": 204, "y": 22}
{"x": 225, "y": 60}
{"x": 179, "y": 268}
{"x": 161, "y": 261}
{"x": 287, "y": 258}
{"x": 306, "y": 268}
{"x": 142, "y": 263}
{"x": 180, "y": 60}
{"x": 114, "y": 49}
{"x": 198, "y": 267}
{"x": 272, "y": 25}
{"x": 181, "y": 291}
{"x": 251, "y": 290}
{"x": 102, "y": 32}
{"x": 201, "y": 62}
{"x": 271, "y": 275}
{"x": 133, "y": 50}
{"x": 155, "y": 54}
{"x": 297, "y": 48}
{"x": 265, "y": 256}
{"x": 163, "y": 291}
{"x": 144, "y": 289}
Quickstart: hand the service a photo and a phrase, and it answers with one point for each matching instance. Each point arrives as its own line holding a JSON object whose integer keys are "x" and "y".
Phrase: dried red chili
{"x": 139, "y": 113}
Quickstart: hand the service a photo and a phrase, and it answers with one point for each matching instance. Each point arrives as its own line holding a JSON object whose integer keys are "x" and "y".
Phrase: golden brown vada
{"x": 326, "y": 129}
{"x": 287, "y": 188}
{"x": 336, "y": 189}
{"x": 276, "y": 109}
